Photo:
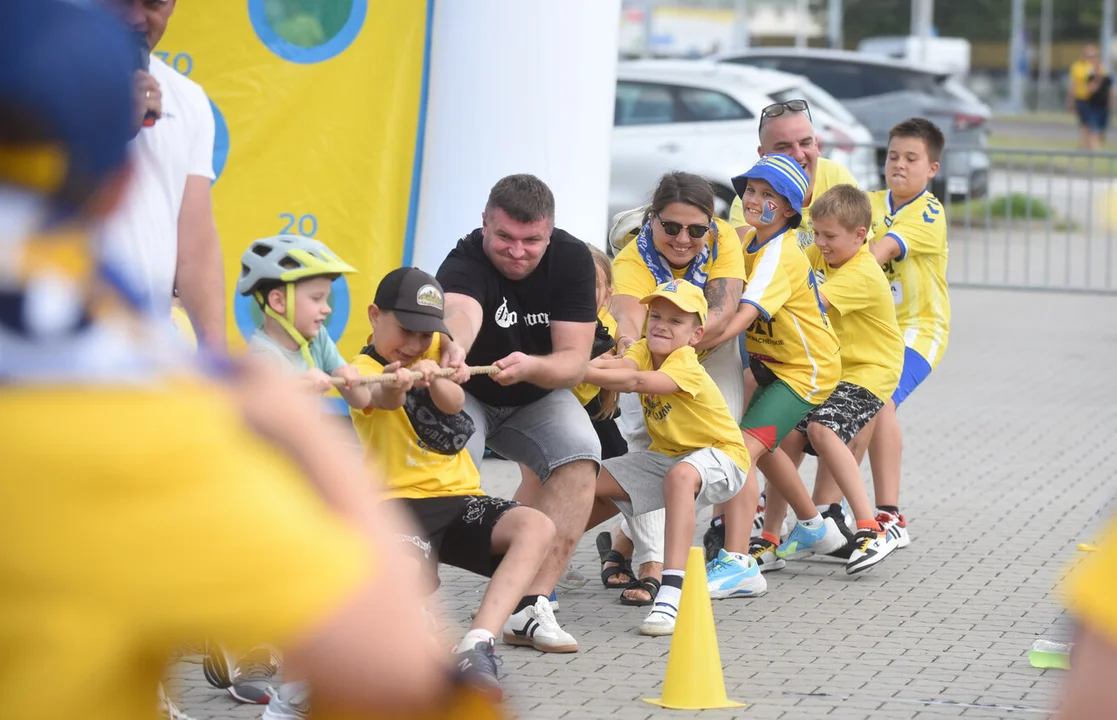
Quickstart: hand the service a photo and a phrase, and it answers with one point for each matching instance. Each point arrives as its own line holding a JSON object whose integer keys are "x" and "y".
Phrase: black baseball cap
{"x": 415, "y": 298}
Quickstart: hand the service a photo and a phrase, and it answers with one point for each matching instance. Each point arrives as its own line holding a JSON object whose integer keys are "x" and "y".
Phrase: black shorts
{"x": 456, "y": 530}
{"x": 848, "y": 409}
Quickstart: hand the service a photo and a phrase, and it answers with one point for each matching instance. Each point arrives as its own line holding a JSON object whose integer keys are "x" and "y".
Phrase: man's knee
{"x": 576, "y": 474}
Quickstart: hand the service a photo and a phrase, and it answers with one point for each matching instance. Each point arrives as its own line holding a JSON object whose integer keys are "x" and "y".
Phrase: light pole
{"x": 922, "y": 25}
{"x": 741, "y": 25}
{"x": 802, "y": 15}
{"x": 1017, "y": 62}
{"x": 1045, "y": 21}
{"x": 1106, "y": 43}
{"x": 922, "y": 17}
{"x": 835, "y": 30}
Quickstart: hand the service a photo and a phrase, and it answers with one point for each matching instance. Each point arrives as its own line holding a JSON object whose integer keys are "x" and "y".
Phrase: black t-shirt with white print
{"x": 517, "y": 314}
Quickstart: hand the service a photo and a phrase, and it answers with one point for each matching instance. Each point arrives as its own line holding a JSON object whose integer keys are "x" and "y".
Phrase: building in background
{"x": 696, "y": 28}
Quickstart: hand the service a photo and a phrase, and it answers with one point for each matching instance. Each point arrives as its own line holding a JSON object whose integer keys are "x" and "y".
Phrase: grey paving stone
{"x": 1009, "y": 417}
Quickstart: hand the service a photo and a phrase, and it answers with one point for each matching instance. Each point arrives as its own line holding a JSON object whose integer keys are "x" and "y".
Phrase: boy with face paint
{"x": 793, "y": 352}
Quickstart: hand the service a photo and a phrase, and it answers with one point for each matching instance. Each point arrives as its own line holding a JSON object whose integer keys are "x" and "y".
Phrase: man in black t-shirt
{"x": 520, "y": 294}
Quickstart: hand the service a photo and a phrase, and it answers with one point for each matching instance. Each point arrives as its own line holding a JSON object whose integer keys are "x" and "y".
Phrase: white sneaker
{"x": 571, "y": 579}
{"x": 727, "y": 577}
{"x": 167, "y": 709}
{"x": 869, "y": 549}
{"x": 764, "y": 553}
{"x": 535, "y": 626}
{"x": 805, "y": 540}
{"x": 290, "y": 702}
{"x": 896, "y": 526}
{"x": 657, "y": 624}
{"x": 553, "y": 602}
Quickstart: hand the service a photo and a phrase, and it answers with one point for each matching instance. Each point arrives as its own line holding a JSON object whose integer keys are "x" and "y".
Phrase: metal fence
{"x": 1031, "y": 219}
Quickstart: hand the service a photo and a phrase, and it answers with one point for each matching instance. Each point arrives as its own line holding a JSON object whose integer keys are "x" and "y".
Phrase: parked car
{"x": 700, "y": 117}
{"x": 883, "y": 91}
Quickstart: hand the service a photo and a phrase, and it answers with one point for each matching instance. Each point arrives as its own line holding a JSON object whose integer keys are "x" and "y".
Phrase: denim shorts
{"x": 1092, "y": 116}
{"x": 551, "y": 432}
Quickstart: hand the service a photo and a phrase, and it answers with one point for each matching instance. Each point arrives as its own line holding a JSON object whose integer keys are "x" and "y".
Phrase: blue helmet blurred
{"x": 65, "y": 98}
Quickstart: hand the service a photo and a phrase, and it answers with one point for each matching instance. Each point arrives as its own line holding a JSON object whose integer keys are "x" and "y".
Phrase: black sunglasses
{"x": 674, "y": 228}
{"x": 777, "y": 109}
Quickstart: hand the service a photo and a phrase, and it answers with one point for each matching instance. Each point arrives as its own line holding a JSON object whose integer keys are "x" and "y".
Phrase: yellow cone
{"x": 694, "y": 679}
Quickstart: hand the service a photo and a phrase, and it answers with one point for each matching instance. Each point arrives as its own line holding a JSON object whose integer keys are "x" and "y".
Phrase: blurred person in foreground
{"x": 1090, "y": 693}
{"x": 130, "y": 476}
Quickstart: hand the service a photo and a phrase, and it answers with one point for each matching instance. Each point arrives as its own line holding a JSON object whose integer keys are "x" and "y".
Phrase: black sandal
{"x": 606, "y": 552}
{"x": 649, "y": 584}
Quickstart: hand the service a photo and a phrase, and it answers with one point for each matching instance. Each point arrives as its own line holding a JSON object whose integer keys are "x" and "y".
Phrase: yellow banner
{"x": 318, "y": 107}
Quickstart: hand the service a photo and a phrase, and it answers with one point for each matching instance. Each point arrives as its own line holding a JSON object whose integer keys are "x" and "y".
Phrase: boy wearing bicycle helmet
{"x": 290, "y": 277}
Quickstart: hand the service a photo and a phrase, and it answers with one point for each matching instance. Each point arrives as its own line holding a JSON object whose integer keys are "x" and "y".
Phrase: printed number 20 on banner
{"x": 305, "y": 225}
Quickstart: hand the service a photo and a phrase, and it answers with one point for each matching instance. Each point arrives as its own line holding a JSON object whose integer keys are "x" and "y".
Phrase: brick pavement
{"x": 1009, "y": 464}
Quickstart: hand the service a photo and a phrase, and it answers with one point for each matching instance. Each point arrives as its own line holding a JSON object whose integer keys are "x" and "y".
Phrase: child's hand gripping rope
{"x": 391, "y": 377}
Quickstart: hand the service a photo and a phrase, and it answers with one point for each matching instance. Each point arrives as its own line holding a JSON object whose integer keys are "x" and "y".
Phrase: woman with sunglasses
{"x": 680, "y": 239}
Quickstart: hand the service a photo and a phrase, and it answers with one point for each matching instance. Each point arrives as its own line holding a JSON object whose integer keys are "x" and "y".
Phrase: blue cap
{"x": 65, "y": 97}
{"x": 782, "y": 173}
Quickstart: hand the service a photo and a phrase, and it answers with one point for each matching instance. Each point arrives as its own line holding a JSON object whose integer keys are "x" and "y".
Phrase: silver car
{"x": 881, "y": 92}
{"x": 704, "y": 118}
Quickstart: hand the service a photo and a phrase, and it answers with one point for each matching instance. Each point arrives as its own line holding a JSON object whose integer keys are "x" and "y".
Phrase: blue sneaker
{"x": 826, "y": 538}
{"x": 553, "y": 599}
{"x": 728, "y": 576}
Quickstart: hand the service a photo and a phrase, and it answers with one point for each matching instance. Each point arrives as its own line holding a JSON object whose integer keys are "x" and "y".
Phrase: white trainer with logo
{"x": 869, "y": 548}
{"x": 535, "y": 626}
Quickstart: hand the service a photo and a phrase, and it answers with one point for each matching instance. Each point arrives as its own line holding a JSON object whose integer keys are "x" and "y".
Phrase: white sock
{"x": 667, "y": 601}
{"x": 670, "y": 593}
{"x": 472, "y": 638}
{"x": 743, "y": 559}
{"x": 813, "y": 523}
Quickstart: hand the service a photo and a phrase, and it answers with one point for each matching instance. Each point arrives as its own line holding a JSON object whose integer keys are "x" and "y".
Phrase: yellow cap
{"x": 684, "y": 295}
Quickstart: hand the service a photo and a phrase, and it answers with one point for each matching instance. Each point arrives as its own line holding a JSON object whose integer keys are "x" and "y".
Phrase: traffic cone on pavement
{"x": 694, "y": 679}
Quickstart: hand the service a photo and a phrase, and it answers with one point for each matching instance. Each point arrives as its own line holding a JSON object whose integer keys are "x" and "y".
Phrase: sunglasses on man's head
{"x": 674, "y": 228}
{"x": 776, "y": 109}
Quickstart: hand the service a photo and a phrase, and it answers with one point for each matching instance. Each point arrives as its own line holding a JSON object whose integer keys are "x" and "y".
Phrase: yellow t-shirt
{"x": 918, "y": 276}
{"x": 393, "y": 447}
{"x": 827, "y": 174}
{"x": 864, "y": 319}
{"x": 631, "y": 275}
{"x": 185, "y": 329}
{"x": 141, "y": 518}
{"x": 693, "y": 418}
{"x": 792, "y": 336}
{"x": 1092, "y": 586}
{"x": 586, "y": 392}
{"x": 1081, "y": 72}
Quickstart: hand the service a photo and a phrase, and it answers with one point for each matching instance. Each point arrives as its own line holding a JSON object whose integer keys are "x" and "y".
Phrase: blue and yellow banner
{"x": 319, "y": 109}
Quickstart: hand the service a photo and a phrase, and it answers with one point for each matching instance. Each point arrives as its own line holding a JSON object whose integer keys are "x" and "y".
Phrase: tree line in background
{"x": 971, "y": 19}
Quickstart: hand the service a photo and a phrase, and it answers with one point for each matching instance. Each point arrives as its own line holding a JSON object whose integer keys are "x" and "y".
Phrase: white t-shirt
{"x": 142, "y": 236}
